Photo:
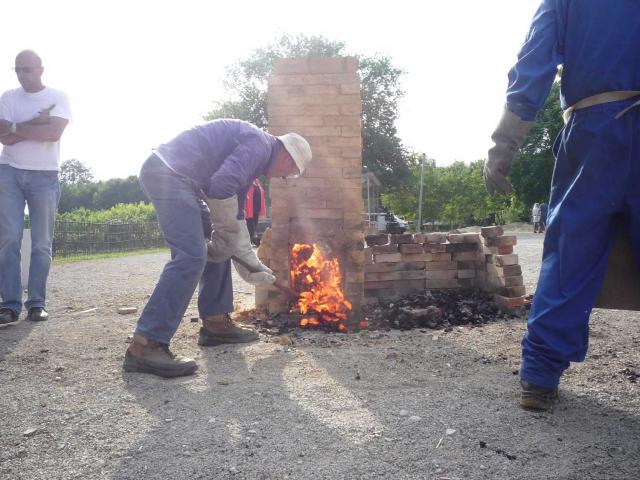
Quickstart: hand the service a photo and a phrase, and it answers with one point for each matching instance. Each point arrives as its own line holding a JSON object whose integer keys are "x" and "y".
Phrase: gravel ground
{"x": 391, "y": 405}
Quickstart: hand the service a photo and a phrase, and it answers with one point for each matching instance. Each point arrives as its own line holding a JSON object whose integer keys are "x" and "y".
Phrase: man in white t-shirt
{"x": 32, "y": 119}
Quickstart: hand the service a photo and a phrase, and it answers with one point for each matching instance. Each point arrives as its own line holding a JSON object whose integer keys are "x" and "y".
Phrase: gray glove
{"x": 230, "y": 236}
{"x": 508, "y": 138}
{"x": 263, "y": 277}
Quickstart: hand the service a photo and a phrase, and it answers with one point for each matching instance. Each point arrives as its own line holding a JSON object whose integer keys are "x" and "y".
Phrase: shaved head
{"x": 30, "y": 57}
{"x": 29, "y": 71}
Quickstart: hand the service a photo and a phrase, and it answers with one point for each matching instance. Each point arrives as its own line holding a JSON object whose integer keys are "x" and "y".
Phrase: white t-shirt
{"x": 20, "y": 106}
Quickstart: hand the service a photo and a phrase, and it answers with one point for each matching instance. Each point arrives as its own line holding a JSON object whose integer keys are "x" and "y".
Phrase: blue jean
{"x": 40, "y": 190}
{"x": 596, "y": 178}
{"x": 175, "y": 199}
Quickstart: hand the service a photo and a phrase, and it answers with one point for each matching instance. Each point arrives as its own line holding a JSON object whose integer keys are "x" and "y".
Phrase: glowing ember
{"x": 319, "y": 283}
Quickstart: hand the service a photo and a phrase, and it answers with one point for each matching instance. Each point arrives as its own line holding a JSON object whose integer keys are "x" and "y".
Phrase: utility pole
{"x": 421, "y": 191}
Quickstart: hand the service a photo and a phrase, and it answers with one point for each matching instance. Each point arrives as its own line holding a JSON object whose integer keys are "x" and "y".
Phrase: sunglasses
{"x": 25, "y": 69}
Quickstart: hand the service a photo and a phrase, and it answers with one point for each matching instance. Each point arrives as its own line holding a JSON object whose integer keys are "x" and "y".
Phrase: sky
{"x": 138, "y": 72}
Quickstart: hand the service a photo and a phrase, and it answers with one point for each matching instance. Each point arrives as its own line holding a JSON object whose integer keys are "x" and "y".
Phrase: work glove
{"x": 263, "y": 277}
{"x": 230, "y": 238}
{"x": 508, "y": 138}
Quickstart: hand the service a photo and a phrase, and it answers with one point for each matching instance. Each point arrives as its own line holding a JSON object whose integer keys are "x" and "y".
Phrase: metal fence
{"x": 82, "y": 238}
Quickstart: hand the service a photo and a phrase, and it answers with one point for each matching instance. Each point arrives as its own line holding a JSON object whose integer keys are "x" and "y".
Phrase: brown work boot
{"x": 537, "y": 398}
{"x": 220, "y": 329}
{"x": 147, "y": 356}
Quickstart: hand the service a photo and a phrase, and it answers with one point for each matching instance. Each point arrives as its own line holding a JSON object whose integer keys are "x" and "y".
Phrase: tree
{"x": 532, "y": 170}
{"x": 382, "y": 150}
{"x": 74, "y": 172}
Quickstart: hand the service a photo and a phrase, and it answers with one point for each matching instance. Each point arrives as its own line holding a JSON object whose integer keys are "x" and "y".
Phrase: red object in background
{"x": 249, "y": 208}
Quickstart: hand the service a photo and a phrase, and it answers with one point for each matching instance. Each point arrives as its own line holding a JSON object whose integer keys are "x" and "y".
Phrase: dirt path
{"x": 397, "y": 405}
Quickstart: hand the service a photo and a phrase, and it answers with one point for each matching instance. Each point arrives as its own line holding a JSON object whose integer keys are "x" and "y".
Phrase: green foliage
{"x": 74, "y": 172}
{"x": 531, "y": 172}
{"x": 382, "y": 150}
{"x": 454, "y": 194}
{"x": 120, "y": 213}
{"x": 100, "y": 195}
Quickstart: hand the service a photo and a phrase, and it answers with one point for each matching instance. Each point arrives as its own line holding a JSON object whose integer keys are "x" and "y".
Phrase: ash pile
{"x": 437, "y": 309}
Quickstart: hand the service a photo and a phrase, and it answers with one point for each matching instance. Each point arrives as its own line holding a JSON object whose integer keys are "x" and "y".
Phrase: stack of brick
{"x": 502, "y": 274}
{"x": 401, "y": 264}
{"x": 397, "y": 265}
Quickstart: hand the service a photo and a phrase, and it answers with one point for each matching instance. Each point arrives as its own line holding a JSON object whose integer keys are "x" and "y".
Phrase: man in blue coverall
{"x": 216, "y": 162}
{"x": 596, "y": 173}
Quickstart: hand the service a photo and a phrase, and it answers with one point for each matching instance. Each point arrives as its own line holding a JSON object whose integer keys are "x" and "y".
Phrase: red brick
{"x": 493, "y": 231}
{"x": 440, "y": 274}
{"x": 353, "y": 109}
{"x": 435, "y": 247}
{"x": 402, "y": 238}
{"x": 319, "y": 131}
{"x": 313, "y": 171}
{"x": 389, "y": 284}
{"x": 516, "y": 281}
{"x": 440, "y": 257}
{"x": 465, "y": 256}
{"x": 436, "y": 238}
{"x": 327, "y": 65}
{"x": 321, "y": 90}
{"x": 502, "y": 260}
{"x": 379, "y": 276}
{"x": 441, "y": 266}
{"x": 410, "y": 275}
{"x": 505, "y": 240}
{"x": 391, "y": 248}
{"x": 442, "y": 283}
{"x": 505, "y": 250}
{"x": 513, "y": 291}
{"x": 511, "y": 270}
{"x": 332, "y": 213}
{"x": 411, "y": 248}
{"x": 284, "y": 66}
{"x": 350, "y": 88}
{"x": 388, "y": 258}
{"x": 378, "y": 239}
{"x": 351, "y": 131}
{"x": 462, "y": 247}
{"x": 417, "y": 257}
{"x": 456, "y": 237}
{"x": 352, "y": 172}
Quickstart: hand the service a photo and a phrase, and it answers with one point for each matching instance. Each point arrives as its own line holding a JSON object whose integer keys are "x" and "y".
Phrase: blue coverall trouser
{"x": 596, "y": 176}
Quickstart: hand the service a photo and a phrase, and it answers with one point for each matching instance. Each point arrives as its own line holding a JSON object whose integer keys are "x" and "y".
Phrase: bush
{"x": 121, "y": 213}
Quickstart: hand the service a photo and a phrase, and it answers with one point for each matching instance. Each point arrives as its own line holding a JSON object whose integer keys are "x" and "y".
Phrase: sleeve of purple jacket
{"x": 238, "y": 169}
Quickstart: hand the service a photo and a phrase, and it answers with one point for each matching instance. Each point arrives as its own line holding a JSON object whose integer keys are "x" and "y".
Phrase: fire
{"x": 319, "y": 282}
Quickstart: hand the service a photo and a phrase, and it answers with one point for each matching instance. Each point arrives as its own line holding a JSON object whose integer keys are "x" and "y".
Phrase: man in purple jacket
{"x": 215, "y": 162}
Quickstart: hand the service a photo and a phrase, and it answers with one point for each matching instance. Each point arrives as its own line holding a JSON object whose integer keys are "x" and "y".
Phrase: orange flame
{"x": 319, "y": 283}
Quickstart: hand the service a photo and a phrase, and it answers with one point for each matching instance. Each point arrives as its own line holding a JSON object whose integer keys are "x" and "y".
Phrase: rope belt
{"x": 605, "y": 97}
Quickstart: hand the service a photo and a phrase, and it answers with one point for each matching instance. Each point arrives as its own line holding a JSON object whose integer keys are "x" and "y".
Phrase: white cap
{"x": 298, "y": 148}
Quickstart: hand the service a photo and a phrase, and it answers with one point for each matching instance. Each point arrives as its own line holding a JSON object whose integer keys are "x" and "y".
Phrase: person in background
{"x": 254, "y": 208}
{"x": 535, "y": 217}
{"x": 215, "y": 162}
{"x": 596, "y": 172}
{"x": 32, "y": 120}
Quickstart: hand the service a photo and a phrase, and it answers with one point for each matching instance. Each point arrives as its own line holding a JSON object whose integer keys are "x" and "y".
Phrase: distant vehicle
{"x": 387, "y": 222}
